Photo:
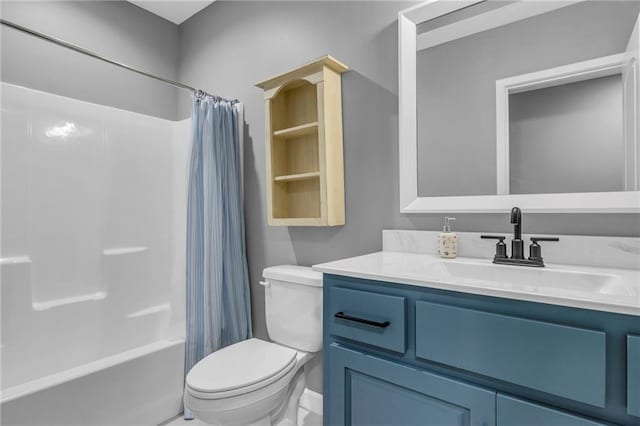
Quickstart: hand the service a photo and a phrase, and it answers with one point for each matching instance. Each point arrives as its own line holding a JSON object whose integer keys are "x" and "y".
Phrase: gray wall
{"x": 456, "y": 86}
{"x": 116, "y": 29}
{"x": 231, "y": 45}
{"x": 567, "y": 138}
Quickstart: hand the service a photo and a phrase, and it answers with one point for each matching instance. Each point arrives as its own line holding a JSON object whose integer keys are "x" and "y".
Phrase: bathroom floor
{"x": 305, "y": 418}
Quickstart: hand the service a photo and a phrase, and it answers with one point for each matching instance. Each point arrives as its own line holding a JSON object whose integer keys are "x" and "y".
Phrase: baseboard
{"x": 311, "y": 401}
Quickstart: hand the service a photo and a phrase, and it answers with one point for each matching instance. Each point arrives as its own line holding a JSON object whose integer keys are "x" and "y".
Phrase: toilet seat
{"x": 239, "y": 369}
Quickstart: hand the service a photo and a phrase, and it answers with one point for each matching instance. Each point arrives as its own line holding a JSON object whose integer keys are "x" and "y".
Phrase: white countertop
{"x": 418, "y": 269}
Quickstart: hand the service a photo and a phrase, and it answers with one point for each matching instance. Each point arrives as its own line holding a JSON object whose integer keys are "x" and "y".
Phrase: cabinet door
{"x": 633, "y": 375}
{"x": 364, "y": 390}
{"x": 516, "y": 350}
{"x": 516, "y": 412}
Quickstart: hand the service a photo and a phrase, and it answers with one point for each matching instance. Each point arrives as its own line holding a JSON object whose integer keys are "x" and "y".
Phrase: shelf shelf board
{"x": 297, "y": 221}
{"x": 303, "y": 129}
{"x": 297, "y": 176}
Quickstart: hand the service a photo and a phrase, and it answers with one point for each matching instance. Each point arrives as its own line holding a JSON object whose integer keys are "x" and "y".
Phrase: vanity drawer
{"x": 516, "y": 412}
{"x": 553, "y": 358}
{"x": 372, "y": 318}
{"x": 633, "y": 375}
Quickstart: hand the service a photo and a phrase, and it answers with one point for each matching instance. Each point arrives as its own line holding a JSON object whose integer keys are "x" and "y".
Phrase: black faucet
{"x": 517, "y": 245}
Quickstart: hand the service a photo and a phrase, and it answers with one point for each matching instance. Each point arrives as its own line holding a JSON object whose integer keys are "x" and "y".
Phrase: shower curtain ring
{"x": 199, "y": 94}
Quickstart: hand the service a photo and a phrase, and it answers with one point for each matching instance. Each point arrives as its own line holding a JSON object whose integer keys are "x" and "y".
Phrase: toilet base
{"x": 288, "y": 415}
{"x": 263, "y": 422}
{"x": 278, "y": 409}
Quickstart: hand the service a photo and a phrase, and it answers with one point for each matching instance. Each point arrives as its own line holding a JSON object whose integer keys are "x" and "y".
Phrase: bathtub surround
{"x": 90, "y": 292}
{"x": 218, "y": 305}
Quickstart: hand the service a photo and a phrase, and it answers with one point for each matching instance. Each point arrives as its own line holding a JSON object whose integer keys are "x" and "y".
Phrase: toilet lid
{"x": 241, "y": 365}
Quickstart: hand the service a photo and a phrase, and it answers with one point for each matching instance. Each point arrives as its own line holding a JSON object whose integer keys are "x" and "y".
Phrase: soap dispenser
{"x": 448, "y": 240}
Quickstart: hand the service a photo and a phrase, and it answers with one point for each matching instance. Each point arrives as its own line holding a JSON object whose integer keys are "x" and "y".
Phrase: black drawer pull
{"x": 342, "y": 315}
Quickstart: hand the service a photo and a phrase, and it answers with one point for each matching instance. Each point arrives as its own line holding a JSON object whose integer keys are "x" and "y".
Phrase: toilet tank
{"x": 293, "y": 306}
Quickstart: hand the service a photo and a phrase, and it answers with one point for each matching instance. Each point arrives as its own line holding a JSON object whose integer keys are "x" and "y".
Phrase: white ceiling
{"x": 176, "y": 11}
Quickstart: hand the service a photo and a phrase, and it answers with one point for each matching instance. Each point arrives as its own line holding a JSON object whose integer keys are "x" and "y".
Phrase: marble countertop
{"x": 603, "y": 289}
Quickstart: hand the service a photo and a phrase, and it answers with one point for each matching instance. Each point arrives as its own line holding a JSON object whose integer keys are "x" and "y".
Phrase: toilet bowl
{"x": 259, "y": 383}
{"x": 235, "y": 396}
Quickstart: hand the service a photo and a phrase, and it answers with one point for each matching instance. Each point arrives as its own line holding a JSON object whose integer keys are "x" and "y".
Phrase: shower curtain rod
{"x": 198, "y": 93}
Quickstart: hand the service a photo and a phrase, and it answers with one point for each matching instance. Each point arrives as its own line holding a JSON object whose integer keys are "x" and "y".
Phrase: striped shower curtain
{"x": 218, "y": 305}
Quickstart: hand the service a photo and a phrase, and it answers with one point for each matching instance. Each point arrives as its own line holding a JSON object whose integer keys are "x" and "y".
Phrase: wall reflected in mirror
{"x": 567, "y": 138}
{"x": 564, "y": 137}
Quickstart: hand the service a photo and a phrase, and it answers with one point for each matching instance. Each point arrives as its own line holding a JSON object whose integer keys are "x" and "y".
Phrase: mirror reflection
{"x": 567, "y": 138}
{"x": 545, "y": 104}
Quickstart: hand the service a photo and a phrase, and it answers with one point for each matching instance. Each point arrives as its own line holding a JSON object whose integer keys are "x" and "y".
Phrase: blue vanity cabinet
{"x": 367, "y": 390}
{"x": 425, "y": 356}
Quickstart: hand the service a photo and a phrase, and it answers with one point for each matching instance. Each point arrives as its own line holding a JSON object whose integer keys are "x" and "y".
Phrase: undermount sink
{"x": 526, "y": 278}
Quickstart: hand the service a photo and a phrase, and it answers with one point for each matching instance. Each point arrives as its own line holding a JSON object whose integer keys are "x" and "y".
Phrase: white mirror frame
{"x": 408, "y": 43}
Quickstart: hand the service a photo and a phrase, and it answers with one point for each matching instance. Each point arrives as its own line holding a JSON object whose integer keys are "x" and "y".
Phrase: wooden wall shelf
{"x": 303, "y": 127}
{"x": 299, "y": 176}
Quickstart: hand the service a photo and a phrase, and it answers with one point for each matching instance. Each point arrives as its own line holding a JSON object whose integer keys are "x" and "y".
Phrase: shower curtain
{"x": 218, "y": 306}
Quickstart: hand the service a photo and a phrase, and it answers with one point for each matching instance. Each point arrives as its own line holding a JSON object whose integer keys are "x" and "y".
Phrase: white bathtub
{"x": 91, "y": 263}
{"x": 142, "y": 386}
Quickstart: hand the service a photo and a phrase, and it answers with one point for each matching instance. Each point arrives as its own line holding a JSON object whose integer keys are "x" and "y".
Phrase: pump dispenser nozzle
{"x": 447, "y": 223}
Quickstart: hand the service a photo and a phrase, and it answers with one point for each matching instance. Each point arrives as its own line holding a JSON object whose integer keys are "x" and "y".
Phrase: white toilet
{"x": 255, "y": 382}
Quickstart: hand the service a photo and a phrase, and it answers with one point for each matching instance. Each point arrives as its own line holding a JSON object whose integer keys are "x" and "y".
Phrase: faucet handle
{"x": 535, "y": 251}
{"x": 501, "y": 247}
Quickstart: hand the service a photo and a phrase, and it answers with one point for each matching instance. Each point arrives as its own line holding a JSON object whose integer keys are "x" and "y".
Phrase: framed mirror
{"x": 528, "y": 103}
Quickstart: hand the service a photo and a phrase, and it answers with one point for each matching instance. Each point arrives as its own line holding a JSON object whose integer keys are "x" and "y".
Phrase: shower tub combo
{"x": 92, "y": 262}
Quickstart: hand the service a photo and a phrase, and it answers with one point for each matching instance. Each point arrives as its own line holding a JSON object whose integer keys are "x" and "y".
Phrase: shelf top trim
{"x": 307, "y": 68}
